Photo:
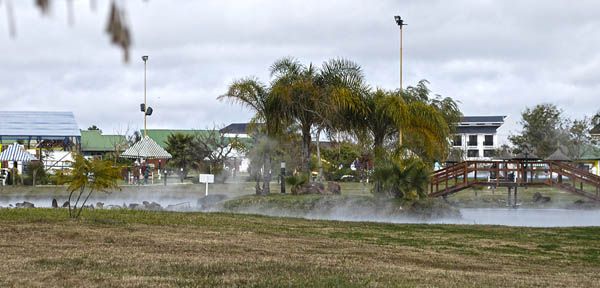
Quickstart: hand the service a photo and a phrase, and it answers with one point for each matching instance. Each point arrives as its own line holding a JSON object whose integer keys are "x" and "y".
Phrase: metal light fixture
{"x": 400, "y": 23}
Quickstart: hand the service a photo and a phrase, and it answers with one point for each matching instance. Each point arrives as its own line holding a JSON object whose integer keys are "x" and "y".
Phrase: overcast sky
{"x": 495, "y": 57}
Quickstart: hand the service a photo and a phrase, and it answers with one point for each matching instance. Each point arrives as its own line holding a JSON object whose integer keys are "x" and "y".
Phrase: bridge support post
{"x": 515, "y": 202}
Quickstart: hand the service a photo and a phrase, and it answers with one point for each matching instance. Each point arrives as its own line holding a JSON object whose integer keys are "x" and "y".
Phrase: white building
{"x": 477, "y": 136}
{"x": 240, "y": 131}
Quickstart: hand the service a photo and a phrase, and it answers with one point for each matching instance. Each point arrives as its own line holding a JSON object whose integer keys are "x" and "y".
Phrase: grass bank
{"x": 352, "y": 207}
{"x": 122, "y": 248}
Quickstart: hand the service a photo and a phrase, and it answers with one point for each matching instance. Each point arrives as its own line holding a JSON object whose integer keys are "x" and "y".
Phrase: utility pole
{"x": 145, "y": 110}
{"x": 400, "y": 23}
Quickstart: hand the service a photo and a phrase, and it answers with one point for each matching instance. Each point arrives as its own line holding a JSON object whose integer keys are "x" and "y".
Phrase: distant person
{"x": 136, "y": 175}
{"x": 146, "y": 174}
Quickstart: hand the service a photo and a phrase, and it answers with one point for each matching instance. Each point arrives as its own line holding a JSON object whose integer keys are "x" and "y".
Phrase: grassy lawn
{"x": 107, "y": 248}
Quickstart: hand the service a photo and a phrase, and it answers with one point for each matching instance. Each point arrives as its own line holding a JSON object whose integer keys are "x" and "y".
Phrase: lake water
{"x": 526, "y": 217}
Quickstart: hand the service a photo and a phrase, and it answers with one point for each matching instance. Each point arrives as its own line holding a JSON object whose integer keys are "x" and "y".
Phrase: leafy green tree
{"x": 213, "y": 148}
{"x": 36, "y": 173}
{"x": 340, "y": 157}
{"x": 93, "y": 175}
{"x": 180, "y": 146}
{"x": 542, "y": 130}
{"x": 580, "y": 140}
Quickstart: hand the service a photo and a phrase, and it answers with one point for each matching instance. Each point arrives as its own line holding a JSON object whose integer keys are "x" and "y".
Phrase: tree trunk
{"x": 319, "y": 164}
{"x": 306, "y": 138}
{"x": 399, "y": 137}
{"x": 266, "y": 174}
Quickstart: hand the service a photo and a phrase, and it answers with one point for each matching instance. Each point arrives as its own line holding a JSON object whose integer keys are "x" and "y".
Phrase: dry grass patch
{"x": 141, "y": 249}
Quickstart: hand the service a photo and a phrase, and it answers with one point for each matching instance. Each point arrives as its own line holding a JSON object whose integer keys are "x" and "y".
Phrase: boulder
{"x": 539, "y": 198}
{"x": 54, "y": 203}
{"x": 24, "y": 204}
{"x": 334, "y": 188}
{"x": 133, "y": 205}
{"x": 99, "y": 205}
{"x": 66, "y": 204}
{"x": 210, "y": 201}
{"x": 152, "y": 206}
{"x": 309, "y": 188}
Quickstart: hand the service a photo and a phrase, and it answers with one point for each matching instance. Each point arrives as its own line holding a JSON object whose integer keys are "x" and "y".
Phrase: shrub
{"x": 296, "y": 181}
{"x": 405, "y": 179}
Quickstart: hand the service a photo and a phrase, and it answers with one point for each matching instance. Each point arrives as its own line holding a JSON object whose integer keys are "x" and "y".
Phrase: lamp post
{"x": 145, "y": 107}
{"x": 400, "y": 23}
{"x": 282, "y": 177}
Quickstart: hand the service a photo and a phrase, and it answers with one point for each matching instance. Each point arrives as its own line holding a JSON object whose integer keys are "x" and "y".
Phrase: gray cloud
{"x": 496, "y": 57}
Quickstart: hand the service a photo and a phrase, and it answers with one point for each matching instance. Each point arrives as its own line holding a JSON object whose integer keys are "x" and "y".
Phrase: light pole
{"x": 145, "y": 58}
{"x": 400, "y": 23}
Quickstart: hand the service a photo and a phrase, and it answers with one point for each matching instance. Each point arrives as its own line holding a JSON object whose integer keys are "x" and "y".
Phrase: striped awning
{"x": 16, "y": 152}
{"x": 147, "y": 149}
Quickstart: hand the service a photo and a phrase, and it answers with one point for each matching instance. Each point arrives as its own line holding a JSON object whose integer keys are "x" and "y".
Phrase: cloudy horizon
{"x": 495, "y": 57}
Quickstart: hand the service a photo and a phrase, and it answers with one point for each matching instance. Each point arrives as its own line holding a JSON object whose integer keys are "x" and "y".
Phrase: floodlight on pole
{"x": 145, "y": 107}
{"x": 400, "y": 23}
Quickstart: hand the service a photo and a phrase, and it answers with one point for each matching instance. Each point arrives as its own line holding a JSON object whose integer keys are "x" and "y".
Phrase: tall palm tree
{"x": 314, "y": 97}
{"x": 390, "y": 117}
{"x": 256, "y": 96}
{"x": 445, "y": 106}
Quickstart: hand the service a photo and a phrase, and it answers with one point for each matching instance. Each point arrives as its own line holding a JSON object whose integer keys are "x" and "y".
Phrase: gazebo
{"x": 558, "y": 156}
{"x": 15, "y": 153}
{"x": 146, "y": 148}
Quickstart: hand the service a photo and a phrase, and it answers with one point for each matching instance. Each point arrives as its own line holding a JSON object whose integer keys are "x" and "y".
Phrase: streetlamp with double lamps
{"x": 144, "y": 107}
{"x": 400, "y": 23}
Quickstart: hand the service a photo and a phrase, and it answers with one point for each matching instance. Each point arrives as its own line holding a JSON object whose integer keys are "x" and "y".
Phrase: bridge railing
{"x": 512, "y": 172}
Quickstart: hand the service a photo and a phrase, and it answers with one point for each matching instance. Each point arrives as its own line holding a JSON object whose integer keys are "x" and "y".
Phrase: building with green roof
{"x": 592, "y": 157}
{"x": 94, "y": 143}
{"x": 160, "y": 135}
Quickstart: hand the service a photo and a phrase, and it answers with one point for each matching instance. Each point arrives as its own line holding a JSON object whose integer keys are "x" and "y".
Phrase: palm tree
{"x": 405, "y": 179}
{"x": 316, "y": 97}
{"x": 389, "y": 118}
{"x": 255, "y": 95}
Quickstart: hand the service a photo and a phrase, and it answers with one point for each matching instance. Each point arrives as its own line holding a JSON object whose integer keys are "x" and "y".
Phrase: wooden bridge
{"x": 514, "y": 174}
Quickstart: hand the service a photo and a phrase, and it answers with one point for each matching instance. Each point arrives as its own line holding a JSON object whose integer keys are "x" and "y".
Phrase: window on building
{"x": 488, "y": 153}
{"x": 488, "y": 140}
{"x": 457, "y": 141}
{"x": 472, "y": 153}
{"x": 472, "y": 140}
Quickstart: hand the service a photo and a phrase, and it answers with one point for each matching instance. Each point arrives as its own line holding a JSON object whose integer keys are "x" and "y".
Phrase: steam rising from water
{"x": 346, "y": 211}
